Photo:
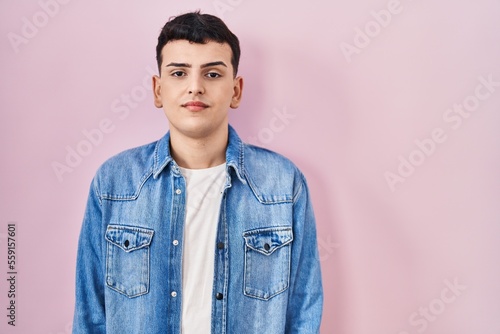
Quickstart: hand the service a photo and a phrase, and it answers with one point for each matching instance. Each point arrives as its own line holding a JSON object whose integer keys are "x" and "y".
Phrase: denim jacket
{"x": 266, "y": 277}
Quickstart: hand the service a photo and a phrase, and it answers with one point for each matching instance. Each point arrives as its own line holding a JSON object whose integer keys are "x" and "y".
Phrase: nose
{"x": 196, "y": 85}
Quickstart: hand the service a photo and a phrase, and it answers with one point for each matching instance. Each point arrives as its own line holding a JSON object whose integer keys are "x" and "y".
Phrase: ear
{"x": 157, "y": 91}
{"x": 237, "y": 92}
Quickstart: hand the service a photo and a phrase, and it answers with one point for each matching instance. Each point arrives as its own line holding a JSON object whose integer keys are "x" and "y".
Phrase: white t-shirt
{"x": 204, "y": 189}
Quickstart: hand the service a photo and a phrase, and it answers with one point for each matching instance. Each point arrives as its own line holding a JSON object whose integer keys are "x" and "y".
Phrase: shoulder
{"x": 255, "y": 156}
{"x": 121, "y": 176}
{"x": 272, "y": 176}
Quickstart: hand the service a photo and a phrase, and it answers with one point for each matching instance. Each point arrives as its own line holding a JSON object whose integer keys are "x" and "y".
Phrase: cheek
{"x": 169, "y": 93}
{"x": 228, "y": 93}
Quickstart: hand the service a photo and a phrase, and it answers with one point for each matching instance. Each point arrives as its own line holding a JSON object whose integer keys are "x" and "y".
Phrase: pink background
{"x": 389, "y": 251}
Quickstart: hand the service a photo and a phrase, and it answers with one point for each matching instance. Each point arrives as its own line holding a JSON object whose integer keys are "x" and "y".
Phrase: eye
{"x": 213, "y": 75}
{"x": 178, "y": 74}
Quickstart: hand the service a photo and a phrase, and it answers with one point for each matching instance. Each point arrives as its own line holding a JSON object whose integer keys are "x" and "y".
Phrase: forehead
{"x": 195, "y": 53}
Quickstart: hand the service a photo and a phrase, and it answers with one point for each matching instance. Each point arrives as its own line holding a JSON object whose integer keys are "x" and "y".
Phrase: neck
{"x": 198, "y": 153}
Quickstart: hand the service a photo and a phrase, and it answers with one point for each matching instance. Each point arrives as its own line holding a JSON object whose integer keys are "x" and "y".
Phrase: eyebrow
{"x": 214, "y": 63}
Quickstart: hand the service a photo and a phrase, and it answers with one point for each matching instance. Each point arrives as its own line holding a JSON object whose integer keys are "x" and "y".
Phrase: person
{"x": 198, "y": 232}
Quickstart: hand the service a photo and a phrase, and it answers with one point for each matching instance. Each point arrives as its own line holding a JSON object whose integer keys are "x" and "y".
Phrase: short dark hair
{"x": 198, "y": 28}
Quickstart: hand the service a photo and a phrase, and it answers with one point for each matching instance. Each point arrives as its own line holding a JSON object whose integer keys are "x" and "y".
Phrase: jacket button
{"x": 173, "y": 294}
{"x": 220, "y": 245}
{"x": 267, "y": 247}
{"x": 178, "y": 191}
{"x": 126, "y": 243}
{"x": 219, "y": 296}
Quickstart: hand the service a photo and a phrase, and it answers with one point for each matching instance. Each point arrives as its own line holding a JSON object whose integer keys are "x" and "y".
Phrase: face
{"x": 196, "y": 88}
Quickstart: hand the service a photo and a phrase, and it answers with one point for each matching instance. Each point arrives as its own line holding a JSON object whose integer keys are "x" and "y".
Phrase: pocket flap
{"x": 129, "y": 238}
{"x": 267, "y": 240}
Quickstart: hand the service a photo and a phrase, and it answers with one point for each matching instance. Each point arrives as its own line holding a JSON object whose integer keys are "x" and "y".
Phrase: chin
{"x": 200, "y": 129}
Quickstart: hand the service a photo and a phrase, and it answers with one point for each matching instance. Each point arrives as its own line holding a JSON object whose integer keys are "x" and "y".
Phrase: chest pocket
{"x": 127, "y": 259}
{"x": 267, "y": 261}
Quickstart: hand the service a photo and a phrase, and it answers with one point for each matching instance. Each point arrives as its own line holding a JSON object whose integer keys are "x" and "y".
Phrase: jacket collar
{"x": 234, "y": 154}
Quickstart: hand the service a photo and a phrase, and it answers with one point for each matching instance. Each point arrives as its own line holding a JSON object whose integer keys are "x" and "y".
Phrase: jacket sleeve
{"x": 89, "y": 316}
{"x": 306, "y": 294}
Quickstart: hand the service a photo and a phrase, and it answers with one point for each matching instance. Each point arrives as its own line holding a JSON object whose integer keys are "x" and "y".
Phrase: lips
{"x": 195, "y": 105}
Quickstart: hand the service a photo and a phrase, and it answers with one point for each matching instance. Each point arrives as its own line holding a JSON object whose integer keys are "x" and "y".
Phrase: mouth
{"x": 195, "y": 105}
